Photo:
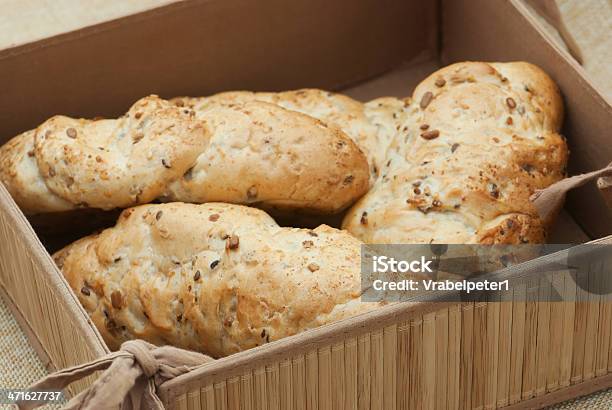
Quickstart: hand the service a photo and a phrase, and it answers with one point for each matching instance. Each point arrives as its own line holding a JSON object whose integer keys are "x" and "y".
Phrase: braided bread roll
{"x": 371, "y": 125}
{"x": 477, "y": 141}
{"x": 215, "y": 278}
{"x": 256, "y": 153}
{"x": 71, "y": 163}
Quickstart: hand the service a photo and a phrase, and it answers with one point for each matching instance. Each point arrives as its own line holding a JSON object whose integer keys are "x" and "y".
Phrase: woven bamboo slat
{"x": 529, "y": 357}
{"x": 471, "y": 355}
{"x": 442, "y": 360}
{"x": 603, "y": 335}
{"x": 542, "y": 337}
{"x": 40, "y": 298}
{"x": 492, "y": 354}
{"x": 467, "y": 358}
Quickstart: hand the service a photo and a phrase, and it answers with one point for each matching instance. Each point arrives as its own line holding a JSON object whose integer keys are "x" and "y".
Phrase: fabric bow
{"x": 549, "y": 200}
{"x": 129, "y": 381}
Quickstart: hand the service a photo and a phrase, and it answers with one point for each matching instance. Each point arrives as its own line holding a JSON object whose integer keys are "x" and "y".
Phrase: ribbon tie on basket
{"x": 549, "y": 201}
{"x": 129, "y": 381}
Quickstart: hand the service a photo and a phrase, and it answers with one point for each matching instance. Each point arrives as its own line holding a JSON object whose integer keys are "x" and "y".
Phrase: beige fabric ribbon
{"x": 129, "y": 381}
{"x": 549, "y": 200}
{"x": 605, "y": 187}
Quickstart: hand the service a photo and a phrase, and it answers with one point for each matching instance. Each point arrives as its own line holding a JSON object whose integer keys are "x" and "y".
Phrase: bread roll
{"x": 263, "y": 154}
{"x": 216, "y": 278}
{"x": 255, "y": 153}
{"x": 476, "y": 142}
{"x": 371, "y": 125}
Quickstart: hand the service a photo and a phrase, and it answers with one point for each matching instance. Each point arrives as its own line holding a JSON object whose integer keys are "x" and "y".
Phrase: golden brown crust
{"x": 263, "y": 154}
{"x": 69, "y": 163}
{"x": 215, "y": 278}
{"x": 19, "y": 173}
{"x": 371, "y": 126}
{"x": 110, "y": 164}
{"x": 478, "y": 140}
{"x": 255, "y": 152}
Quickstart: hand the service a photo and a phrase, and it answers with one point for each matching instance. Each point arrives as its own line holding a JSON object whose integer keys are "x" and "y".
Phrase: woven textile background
{"x": 19, "y": 364}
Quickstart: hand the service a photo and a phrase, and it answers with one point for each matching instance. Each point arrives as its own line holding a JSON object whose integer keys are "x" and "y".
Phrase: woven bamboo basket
{"x": 516, "y": 352}
{"x": 472, "y": 355}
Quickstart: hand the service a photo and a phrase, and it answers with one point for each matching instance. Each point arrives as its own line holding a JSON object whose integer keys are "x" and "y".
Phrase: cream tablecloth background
{"x": 21, "y": 21}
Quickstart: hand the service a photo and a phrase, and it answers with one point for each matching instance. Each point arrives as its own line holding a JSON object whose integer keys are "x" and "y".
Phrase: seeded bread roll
{"x": 371, "y": 126}
{"x": 254, "y": 152}
{"x": 477, "y": 141}
{"x": 216, "y": 278}
{"x": 263, "y": 154}
{"x": 71, "y": 163}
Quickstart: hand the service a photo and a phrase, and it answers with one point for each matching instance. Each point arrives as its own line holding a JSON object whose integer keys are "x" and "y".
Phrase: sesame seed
{"x": 426, "y": 99}
{"x": 440, "y": 82}
{"x": 85, "y": 291}
{"x": 527, "y": 168}
{"x": 252, "y": 192}
{"x": 510, "y": 102}
{"x": 313, "y": 267}
{"x": 232, "y": 242}
{"x": 494, "y": 191}
{"x": 111, "y": 325}
{"x": 364, "y": 218}
{"x": 71, "y": 133}
{"x": 196, "y": 276}
{"x": 116, "y": 299}
{"x": 213, "y": 218}
{"x": 137, "y": 137}
{"x": 430, "y": 135}
{"x": 214, "y": 264}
